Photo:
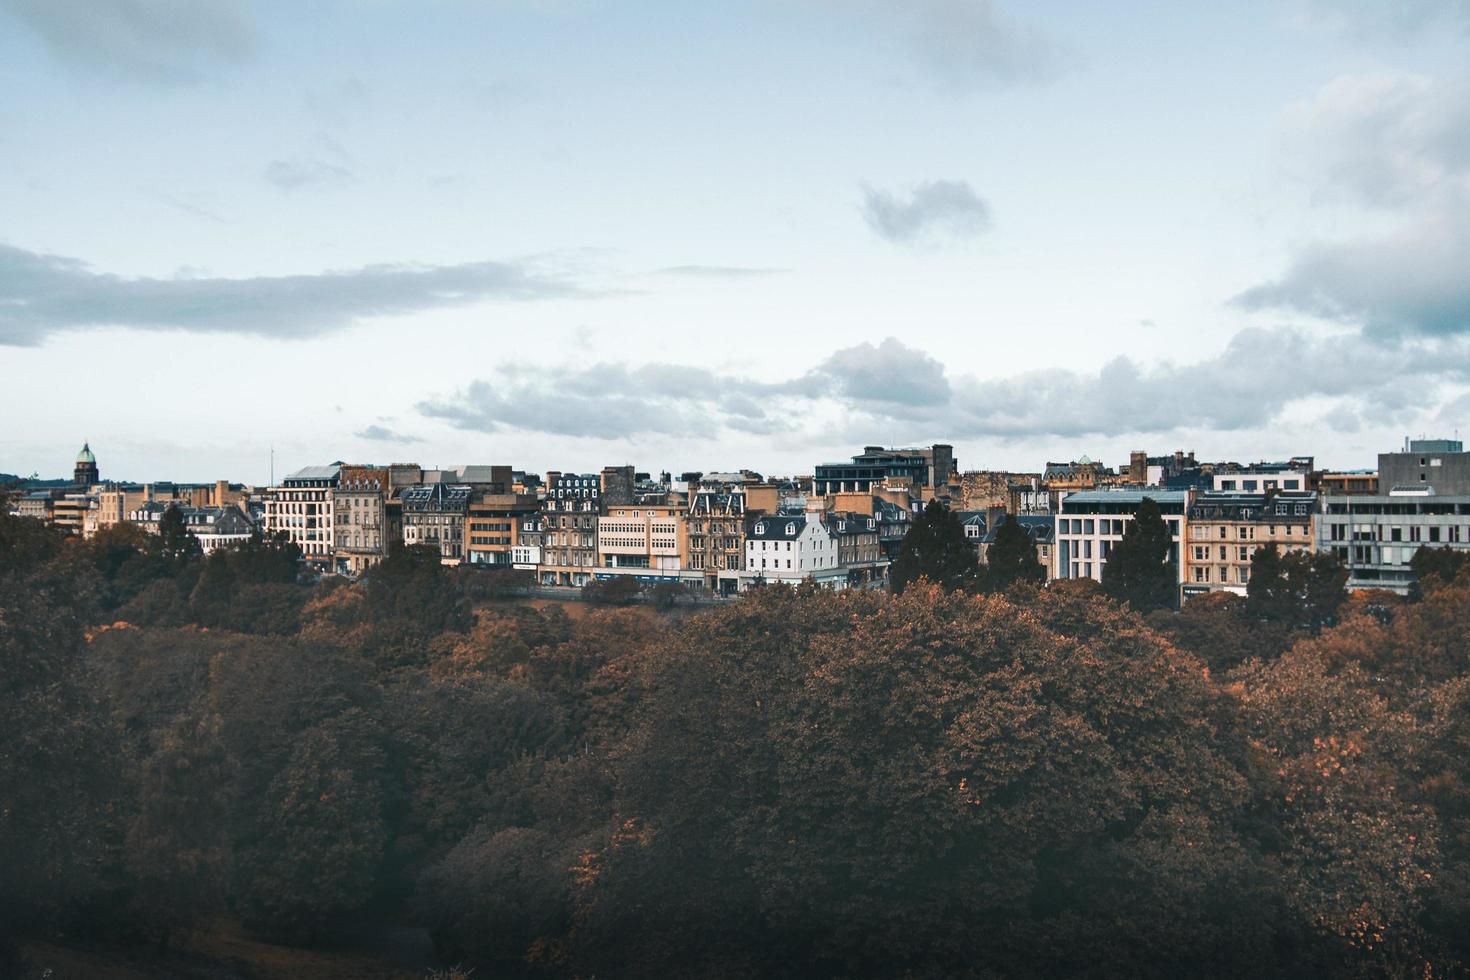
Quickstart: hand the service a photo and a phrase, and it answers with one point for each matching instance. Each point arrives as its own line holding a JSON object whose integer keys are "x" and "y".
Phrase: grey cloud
{"x": 297, "y": 173}
{"x": 1415, "y": 282}
{"x": 890, "y": 374}
{"x": 1256, "y": 380}
{"x": 166, "y": 41}
{"x": 963, "y": 44}
{"x": 934, "y": 210}
{"x": 378, "y": 433}
{"x": 41, "y": 295}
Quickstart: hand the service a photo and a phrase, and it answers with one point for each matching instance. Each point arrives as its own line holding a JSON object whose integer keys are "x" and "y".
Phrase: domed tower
{"x": 85, "y": 473}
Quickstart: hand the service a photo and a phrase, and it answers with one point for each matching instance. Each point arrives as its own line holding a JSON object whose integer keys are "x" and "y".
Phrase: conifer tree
{"x": 175, "y": 543}
{"x": 1140, "y": 570}
{"x": 936, "y": 548}
{"x": 1012, "y": 558}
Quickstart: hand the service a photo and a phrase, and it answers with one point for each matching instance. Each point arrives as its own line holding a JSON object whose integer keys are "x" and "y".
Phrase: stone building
{"x": 568, "y": 533}
{"x": 1226, "y": 528}
{"x": 716, "y": 536}
{"x": 434, "y": 514}
{"x": 301, "y": 507}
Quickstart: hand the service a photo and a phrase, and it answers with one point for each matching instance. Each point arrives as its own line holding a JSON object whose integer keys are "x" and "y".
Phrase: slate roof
{"x": 781, "y": 527}
{"x": 1040, "y": 527}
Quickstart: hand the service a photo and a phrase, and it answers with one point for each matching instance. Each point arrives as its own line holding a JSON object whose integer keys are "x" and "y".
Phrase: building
{"x": 1294, "y": 475}
{"x": 1423, "y": 501}
{"x": 1439, "y": 465}
{"x": 368, "y": 514}
{"x": 301, "y": 508}
{"x": 85, "y": 474}
{"x": 1343, "y": 482}
{"x": 214, "y": 527}
{"x": 789, "y": 549}
{"x": 859, "y": 549}
{"x": 1090, "y": 523}
{"x": 434, "y": 516}
{"x": 715, "y": 526}
{"x": 933, "y": 467}
{"x": 493, "y": 532}
{"x": 1226, "y": 528}
{"x": 568, "y": 531}
{"x": 647, "y": 542}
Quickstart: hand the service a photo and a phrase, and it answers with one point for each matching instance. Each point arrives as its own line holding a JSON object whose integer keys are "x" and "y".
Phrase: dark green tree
{"x": 1298, "y": 590}
{"x": 1140, "y": 570}
{"x": 1012, "y": 558}
{"x": 175, "y": 544}
{"x": 935, "y": 548}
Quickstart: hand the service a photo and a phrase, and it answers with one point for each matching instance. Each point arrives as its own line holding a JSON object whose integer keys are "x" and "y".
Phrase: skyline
{"x": 700, "y": 239}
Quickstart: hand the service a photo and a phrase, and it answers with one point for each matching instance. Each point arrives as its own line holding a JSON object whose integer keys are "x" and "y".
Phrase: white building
{"x": 1376, "y": 536}
{"x": 1090, "y": 523}
{"x": 302, "y": 507}
{"x": 791, "y": 548}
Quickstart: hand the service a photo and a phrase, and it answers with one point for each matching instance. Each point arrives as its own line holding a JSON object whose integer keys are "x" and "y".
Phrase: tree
{"x": 1012, "y": 558}
{"x": 622, "y": 590}
{"x": 1299, "y": 590}
{"x": 1140, "y": 570}
{"x": 935, "y": 548}
{"x": 175, "y": 544}
{"x": 1435, "y": 568}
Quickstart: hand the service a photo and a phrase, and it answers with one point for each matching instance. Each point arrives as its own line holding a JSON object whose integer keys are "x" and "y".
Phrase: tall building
{"x": 301, "y": 507}
{"x": 568, "y": 531}
{"x": 85, "y": 473}
{"x": 367, "y": 514}
{"x": 716, "y": 529}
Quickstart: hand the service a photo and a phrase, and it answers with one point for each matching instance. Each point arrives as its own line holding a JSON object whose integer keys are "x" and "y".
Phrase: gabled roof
{"x": 1041, "y": 527}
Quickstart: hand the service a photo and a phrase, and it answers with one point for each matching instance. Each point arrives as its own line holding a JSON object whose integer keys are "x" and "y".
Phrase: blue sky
{"x": 703, "y": 236}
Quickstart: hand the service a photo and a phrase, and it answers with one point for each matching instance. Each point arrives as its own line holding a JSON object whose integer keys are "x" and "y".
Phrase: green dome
{"x": 85, "y": 456}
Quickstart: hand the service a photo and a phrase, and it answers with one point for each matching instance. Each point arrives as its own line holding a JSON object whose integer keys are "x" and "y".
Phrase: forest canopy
{"x": 1021, "y": 782}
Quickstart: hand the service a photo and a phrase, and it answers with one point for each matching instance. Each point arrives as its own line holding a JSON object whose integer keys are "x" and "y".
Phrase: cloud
{"x": 963, "y": 44}
{"x": 41, "y": 295}
{"x": 1416, "y": 281}
{"x": 935, "y": 210}
{"x": 297, "y": 173}
{"x": 166, "y": 41}
{"x": 717, "y": 271}
{"x": 1255, "y": 382}
{"x": 889, "y": 374}
{"x": 1384, "y": 142}
{"x": 377, "y": 433}
{"x": 1385, "y": 139}
{"x": 1374, "y": 20}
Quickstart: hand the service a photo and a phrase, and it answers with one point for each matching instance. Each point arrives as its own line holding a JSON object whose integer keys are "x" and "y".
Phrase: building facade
{"x": 301, "y": 508}
{"x": 1226, "y": 529}
{"x": 1090, "y": 523}
{"x": 434, "y": 515}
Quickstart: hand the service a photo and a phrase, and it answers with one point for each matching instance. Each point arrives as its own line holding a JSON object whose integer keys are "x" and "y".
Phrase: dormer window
{"x": 760, "y": 527}
{"x": 791, "y": 528}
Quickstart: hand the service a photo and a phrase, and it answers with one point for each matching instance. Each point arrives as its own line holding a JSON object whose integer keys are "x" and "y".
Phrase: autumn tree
{"x": 1141, "y": 568}
{"x": 935, "y": 548}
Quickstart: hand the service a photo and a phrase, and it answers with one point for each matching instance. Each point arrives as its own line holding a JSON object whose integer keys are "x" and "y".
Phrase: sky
{"x": 564, "y": 234}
